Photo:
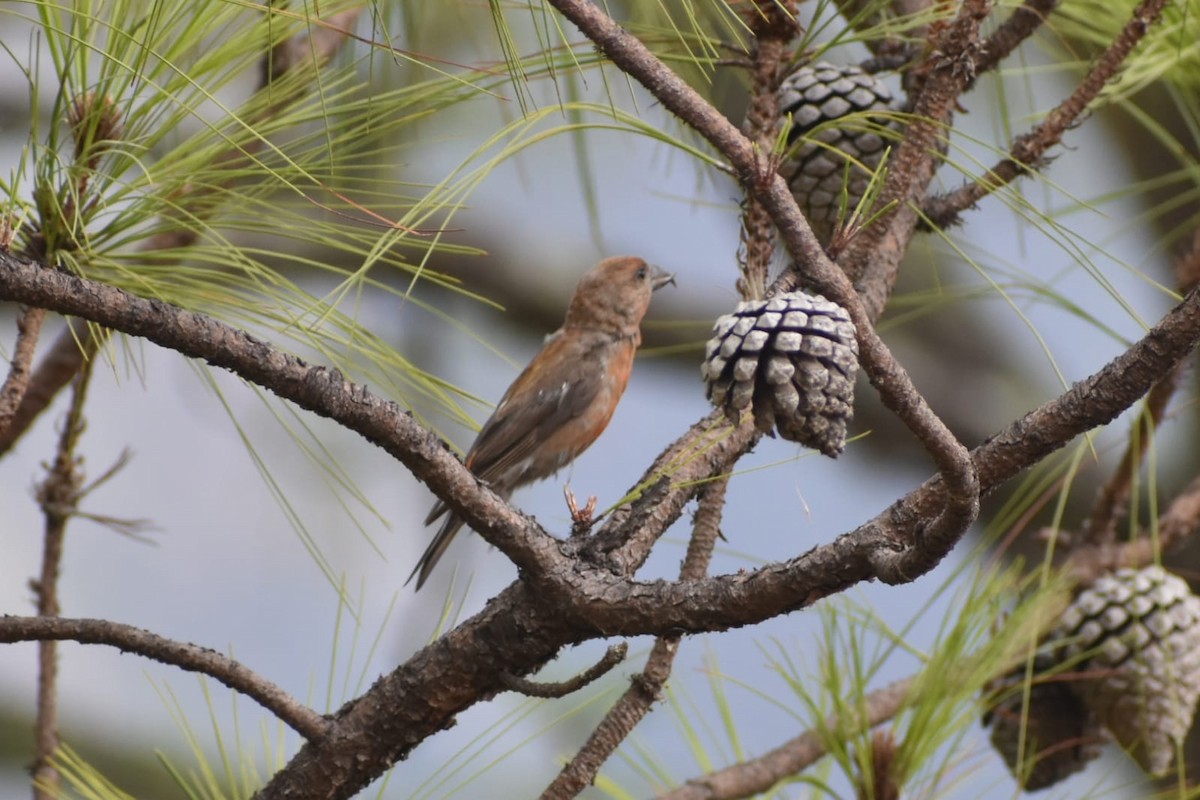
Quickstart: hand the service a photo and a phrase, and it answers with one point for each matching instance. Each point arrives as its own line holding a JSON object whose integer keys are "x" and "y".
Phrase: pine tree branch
{"x": 613, "y": 656}
{"x": 318, "y": 389}
{"x": 1020, "y": 25}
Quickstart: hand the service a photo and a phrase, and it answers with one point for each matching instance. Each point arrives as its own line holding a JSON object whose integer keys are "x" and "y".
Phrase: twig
{"x": 1028, "y": 152}
{"x": 647, "y": 687}
{"x": 190, "y": 657}
{"x": 613, "y": 656}
{"x": 29, "y": 327}
{"x": 1180, "y": 522}
{"x": 759, "y": 774}
{"x": 59, "y": 498}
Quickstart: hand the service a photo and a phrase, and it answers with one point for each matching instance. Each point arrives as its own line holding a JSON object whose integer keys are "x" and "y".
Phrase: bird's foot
{"x": 581, "y": 517}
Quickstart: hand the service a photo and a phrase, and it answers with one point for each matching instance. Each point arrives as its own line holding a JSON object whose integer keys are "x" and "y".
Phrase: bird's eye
{"x": 642, "y": 273}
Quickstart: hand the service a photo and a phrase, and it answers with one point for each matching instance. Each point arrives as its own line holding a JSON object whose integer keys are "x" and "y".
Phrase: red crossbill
{"x": 564, "y": 399}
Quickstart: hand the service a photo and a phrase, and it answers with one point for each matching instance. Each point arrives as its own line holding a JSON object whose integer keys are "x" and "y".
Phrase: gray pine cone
{"x": 1139, "y": 632}
{"x": 1060, "y": 734}
{"x": 816, "y": 96}
{"x": 792, "y": 360}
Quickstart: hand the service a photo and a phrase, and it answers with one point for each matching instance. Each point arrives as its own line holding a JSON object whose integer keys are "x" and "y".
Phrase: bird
{"x": 563, "y": 400}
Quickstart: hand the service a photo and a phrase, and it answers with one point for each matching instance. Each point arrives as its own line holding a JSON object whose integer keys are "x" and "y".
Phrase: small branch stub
{"x": 792, "y": 360}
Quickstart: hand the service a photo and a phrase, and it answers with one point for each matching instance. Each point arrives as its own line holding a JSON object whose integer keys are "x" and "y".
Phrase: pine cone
{"x": 791, "y": 359}
{"x": 1139, "y": 632}
{"x": 817, "y": 96}
{"x": 1060, "y": 734}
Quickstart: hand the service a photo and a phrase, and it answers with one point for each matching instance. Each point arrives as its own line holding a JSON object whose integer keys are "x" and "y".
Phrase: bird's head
{"x": 615, "y": 294}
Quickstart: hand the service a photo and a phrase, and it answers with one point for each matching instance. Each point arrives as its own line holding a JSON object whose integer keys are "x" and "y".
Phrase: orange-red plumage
{"x": 565, "y": 398}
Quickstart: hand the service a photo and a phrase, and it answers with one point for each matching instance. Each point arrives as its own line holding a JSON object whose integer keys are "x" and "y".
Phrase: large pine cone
{"x": 1138, "y": 633}
{"x": 816, "y": 97}
{"x": 791, "y": 359}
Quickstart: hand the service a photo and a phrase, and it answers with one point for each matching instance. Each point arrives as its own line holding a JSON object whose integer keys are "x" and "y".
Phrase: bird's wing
{"x": 555, "y": 388}
{"x": 551, "y": 391}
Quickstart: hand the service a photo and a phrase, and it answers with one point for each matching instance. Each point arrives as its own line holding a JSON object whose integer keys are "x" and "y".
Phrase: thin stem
{"x": 1113, "y": 499}
{"x": 59, "y": 496}
{"x": 70, "y": 351}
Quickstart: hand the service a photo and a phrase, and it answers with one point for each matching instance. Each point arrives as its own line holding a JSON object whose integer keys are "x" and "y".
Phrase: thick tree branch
{"x": 1028, "y": 153}
{"x": 190, "y": 657}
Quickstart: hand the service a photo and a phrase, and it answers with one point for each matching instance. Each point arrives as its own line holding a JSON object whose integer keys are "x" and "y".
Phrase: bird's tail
{"x": 437, "y": 547}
